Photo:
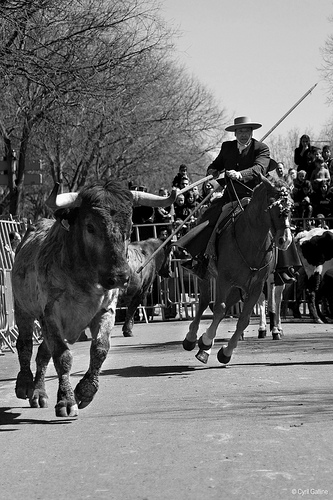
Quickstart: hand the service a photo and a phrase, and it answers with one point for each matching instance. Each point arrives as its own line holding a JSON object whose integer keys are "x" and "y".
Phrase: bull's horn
{"x": 64, "y": 200}
{"x": 153, "y": 200}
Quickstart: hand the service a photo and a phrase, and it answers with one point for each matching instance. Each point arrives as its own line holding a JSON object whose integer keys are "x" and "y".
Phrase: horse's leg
{"x": 262, "y": 329}
{"x": 24, "y": 345}
{"x": 277, "y": 327}
{"x": 225, "y": 353}
{"x": 190, "y": 340}
{"x": 221, "y": 306}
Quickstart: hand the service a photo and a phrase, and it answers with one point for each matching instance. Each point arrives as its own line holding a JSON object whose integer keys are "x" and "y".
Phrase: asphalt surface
{"x": 165, "y": 427}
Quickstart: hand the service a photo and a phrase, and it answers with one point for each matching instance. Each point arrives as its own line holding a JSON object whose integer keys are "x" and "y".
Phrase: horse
{"x": 245, "y": 257}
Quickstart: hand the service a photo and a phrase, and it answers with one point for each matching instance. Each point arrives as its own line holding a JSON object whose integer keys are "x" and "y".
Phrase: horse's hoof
{"x": 188, "y": 345}
{"x": 202, "y": 346}
{"x": 222, "y": 358}
{"x": 262, "y": 334}
{"x": 202, "y": 356}
{"x": 276, "y": 336}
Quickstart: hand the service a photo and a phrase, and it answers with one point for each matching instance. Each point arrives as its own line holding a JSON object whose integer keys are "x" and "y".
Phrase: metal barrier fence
{"x": 8, "y": 331}
{"x": 176, "y": 297}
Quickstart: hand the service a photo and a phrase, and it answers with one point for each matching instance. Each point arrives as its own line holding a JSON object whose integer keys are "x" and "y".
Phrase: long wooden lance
{"x": 288, "y": 112}
{"x": 210, "y": 177}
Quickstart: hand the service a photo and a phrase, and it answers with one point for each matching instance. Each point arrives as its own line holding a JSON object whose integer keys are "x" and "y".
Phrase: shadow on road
{"x": 150, "y": 371}
{"x": 12, "y": 419}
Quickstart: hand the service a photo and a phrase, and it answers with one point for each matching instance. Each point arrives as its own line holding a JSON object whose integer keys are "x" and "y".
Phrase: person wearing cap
{"x": 242, "y": 159}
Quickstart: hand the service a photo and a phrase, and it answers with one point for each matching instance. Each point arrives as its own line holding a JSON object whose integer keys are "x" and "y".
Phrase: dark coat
{"x": 251, "y": 162}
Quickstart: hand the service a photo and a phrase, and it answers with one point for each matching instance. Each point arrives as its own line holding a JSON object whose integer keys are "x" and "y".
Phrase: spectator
{"x": 196, "y": 193}
{"x": 301, "y": 152}
{"x": 15, "y": 240}
{"x": 181, "y": 173}
{"x": 191, "y": 203}
{"x": 163, "y": 233}
{"x": 184, "y": 182}
{"x": 302, "y": 198}
{"x": 181, "y": 211}
{"x": 314, "y": 154}
{"x": 320, "y": 174}
{"x": 299, "y": 181}
{"x": 321, "y": 222}
{"x": 280, "y": 170}
{"x": 164, "y": 215}
{"x": 322, "y": 200}
{"x": 292, "y": 173}
{"x": 327, "y": 157}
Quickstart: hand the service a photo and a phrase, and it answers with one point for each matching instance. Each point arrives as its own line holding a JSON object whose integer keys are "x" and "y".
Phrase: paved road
{"x": 165, "y": 427}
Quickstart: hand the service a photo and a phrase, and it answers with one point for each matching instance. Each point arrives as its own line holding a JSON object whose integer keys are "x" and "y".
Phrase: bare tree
{"x": 57, "y": 54}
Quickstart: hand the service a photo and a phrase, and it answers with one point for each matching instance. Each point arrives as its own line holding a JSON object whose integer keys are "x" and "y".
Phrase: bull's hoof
{"x": 188, "y": 345}
{"x": 24, "y": 385}
{"x": 222, "y": 358}
{"x": 203, "y": 346}
{"x": 128, "y": 334}
{"x": 85, "y": 391}
{"x": 64, "y": 410}
{"x": 202, "y": 356}
{"x": 39, "y": 399}
{"x": 262, "y": 334}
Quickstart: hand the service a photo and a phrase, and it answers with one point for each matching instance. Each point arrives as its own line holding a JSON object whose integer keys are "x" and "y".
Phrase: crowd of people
{"x": 313, "y": 184}
{"x": 185, "y": 207}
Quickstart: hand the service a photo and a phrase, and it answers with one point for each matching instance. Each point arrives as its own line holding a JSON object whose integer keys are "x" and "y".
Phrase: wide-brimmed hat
{"x": 243, "y": 121}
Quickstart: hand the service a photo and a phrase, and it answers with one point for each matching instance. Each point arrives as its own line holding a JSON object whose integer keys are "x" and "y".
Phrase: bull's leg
{"x": 129, "y": 318}
{"x": 313, "y": 287}
{"x": 62, "y": 358}
{"x": 24, "y": 344}
{"x": 39, "y": 396}
{"x": 190, "y": 340}
{"x": 225, "y": 353}
{"x": 100, "y": 328}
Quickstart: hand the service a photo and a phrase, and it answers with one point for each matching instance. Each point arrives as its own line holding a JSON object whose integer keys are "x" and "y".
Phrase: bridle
{"x": 285, "y": 204}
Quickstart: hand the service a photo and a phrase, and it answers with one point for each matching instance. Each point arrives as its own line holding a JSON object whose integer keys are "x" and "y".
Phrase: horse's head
{"x": 279, "y": 205}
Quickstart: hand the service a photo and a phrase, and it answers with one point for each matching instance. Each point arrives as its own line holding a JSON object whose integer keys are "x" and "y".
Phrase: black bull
{"x": 66, "y": 274}
{"x": 140, "y": 283}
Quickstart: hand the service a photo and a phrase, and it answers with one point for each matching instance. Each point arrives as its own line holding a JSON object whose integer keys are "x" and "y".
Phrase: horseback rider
{"x": 242, "y": 160}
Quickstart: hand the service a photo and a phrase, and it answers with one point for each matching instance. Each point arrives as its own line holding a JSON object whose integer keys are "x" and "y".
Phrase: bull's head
{"x": 101, "y": 236}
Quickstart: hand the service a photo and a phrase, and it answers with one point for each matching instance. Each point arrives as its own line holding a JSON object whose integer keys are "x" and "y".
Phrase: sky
{"x": 258, "y": 57}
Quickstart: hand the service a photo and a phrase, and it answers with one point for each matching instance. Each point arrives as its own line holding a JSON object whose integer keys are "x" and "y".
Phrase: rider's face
{"x": 243, "y": 135}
